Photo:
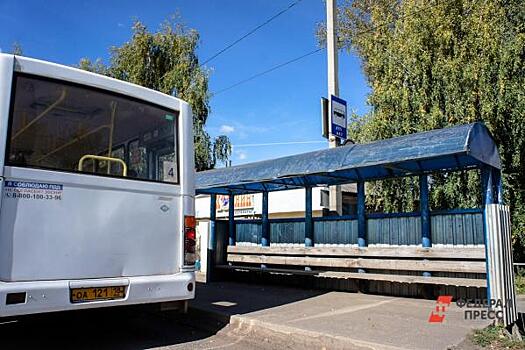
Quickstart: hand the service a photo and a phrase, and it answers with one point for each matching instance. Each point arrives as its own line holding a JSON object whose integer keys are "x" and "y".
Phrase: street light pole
{"x": 333, "y": 89}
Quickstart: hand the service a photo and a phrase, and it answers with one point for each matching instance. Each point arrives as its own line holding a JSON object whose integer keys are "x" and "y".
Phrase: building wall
{"x": 281, "y": 204}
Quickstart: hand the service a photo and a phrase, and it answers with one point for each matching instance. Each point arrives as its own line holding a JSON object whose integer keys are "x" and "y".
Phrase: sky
{"x": 281, "y": 108}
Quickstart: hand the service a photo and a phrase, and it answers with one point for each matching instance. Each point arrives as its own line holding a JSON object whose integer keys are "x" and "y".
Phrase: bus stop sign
{"x": 338, "y": 117}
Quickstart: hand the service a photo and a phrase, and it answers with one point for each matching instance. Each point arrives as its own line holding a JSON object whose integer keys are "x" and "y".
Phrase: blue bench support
{"x": 232, "y": 234}
{"x": 212, "y": 239}
{"x": 308, "y": 219}
{"x": 361, "y": 215}
{"x": 265, "y": 234}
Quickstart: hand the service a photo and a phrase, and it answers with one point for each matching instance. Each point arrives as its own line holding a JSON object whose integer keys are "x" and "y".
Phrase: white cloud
{"x": 242, "y": 155}
{"x": 227, "y": 129}
{"x": 244, "y": 131}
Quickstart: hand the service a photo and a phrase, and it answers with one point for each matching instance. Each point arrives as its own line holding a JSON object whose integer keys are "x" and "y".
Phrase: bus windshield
{"x": 67, "y": 127}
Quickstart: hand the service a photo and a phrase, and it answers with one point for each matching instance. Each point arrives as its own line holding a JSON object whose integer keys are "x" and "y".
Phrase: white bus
{"x": 97, "y": 191}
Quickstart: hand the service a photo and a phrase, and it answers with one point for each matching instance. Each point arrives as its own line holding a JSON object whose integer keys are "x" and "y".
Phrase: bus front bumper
{"x": 49, "y": 296}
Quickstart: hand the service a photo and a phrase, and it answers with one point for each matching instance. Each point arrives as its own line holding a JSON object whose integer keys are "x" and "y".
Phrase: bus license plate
{"x": 81, "y": 295}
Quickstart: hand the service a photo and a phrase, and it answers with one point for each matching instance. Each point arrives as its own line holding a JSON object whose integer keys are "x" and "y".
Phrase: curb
{"x": 295, "y": 337}
{"x": 250, "y": 329}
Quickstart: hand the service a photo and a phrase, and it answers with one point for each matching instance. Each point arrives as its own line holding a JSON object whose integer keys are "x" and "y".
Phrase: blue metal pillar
{"x": 361, "y": 215}
{"x": 308, "y": 221}
{"x": 487, "y": 182}
{"x": 232, "y": 235}
{"x": 265, "y": 236}
{"x": 498, "y": 184}
{"x": 426, "y": 240}
{"x": 488, "y": 198}
{"x": 212, "y": 240}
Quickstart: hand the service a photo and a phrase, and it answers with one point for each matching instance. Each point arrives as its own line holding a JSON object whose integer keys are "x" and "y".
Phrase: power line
{"x": 276, "y": 143}
{"x": 251, "y": 31}
{"x": 366, "y": 31}
{"x": 268, "y": 71}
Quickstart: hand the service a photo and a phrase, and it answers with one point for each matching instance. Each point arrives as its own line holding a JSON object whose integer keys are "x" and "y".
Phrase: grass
{"x": 520, "y": 281}
{"x": 494, "y": 337}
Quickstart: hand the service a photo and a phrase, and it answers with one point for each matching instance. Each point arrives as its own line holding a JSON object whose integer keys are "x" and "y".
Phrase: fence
{"x": 454, "y": 227}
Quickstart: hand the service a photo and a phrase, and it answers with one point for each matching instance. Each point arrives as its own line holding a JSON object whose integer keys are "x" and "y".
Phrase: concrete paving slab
{"x": 334, "y": 319}
{"x": 520, "y": 303}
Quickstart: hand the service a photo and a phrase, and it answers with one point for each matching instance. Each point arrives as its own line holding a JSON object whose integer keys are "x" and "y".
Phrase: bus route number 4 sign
{"x": 169, "y": 171}
{"x": 338, "y": 117}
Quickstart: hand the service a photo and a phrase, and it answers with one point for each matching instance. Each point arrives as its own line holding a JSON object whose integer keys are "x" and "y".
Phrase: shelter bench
{"x": 380, "y": 263}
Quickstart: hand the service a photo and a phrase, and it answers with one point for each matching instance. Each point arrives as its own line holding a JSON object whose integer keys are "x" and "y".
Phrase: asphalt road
{"x": 115, "y": 328}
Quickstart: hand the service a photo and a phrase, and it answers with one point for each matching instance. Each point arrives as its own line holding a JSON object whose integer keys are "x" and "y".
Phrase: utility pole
{"x": 336, "y": 200}
{"x": 331, "y": 50}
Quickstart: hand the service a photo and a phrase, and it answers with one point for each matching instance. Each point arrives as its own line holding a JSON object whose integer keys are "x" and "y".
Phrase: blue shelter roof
{"x": 455, "y": 148}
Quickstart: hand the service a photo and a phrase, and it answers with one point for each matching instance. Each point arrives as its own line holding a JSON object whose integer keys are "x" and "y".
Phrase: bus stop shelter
{"x": 457, "y": 247}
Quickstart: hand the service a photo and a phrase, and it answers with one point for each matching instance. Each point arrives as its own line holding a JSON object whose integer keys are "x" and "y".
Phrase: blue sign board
{"x": 338, "y": 120}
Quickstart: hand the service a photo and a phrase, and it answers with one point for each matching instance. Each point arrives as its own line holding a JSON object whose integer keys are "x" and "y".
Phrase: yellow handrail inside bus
{"x": 73, "y": 141}
{"x": 111, "y": 128}
{"x": 41, "y": 115}
{"x": 108, "y": 159}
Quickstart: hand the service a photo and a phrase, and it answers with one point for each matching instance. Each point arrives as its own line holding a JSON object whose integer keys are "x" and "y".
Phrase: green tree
{"x": 432, "y": 64}
{"x": 166, "y": 61}
{"x": 16, "y": 49}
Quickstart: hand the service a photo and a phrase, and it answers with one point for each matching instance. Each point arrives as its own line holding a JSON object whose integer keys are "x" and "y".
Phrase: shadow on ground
{"x": 112, "y": 328}
{"x": 143, "y": 327}
{"x": 241, "y": 298}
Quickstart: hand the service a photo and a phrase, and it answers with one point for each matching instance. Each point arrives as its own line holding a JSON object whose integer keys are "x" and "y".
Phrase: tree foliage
{"x": 17, "y": 49}
{"x": 166, "y": 61}
{"x": 432, "y": 64}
